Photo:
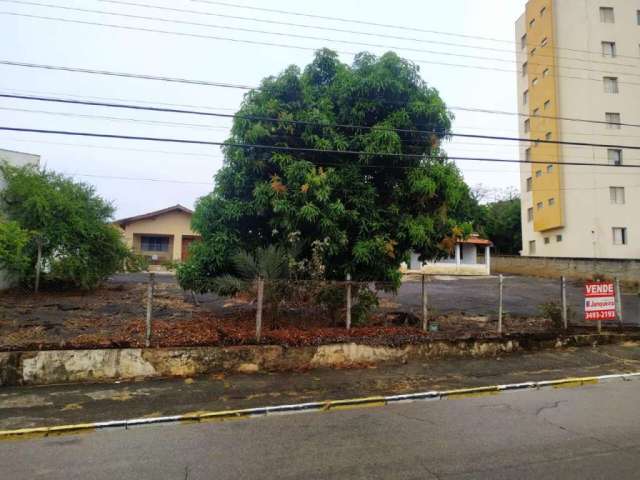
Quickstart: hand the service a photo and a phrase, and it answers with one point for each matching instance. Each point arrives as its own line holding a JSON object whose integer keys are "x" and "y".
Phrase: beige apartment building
{"x": 579, "y": 60}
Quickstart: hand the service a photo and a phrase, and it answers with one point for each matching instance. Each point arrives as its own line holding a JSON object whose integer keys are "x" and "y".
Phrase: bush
{"x": 366, "y": 302}
{"x": 67, "y": 224}
{"x": 136, "y": 263}
{"x": 552, "y": 311}
{"x": 14, "y": 259}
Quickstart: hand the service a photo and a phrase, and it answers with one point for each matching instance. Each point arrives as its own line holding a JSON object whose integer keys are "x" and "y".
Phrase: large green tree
{"x": 368, "y": 210}
{"x": 56, "y": 226}
{"x": 501, "y": 224}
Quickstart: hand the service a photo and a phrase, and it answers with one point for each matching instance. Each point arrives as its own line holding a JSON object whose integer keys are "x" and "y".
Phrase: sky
{"x": 139, "y": 176}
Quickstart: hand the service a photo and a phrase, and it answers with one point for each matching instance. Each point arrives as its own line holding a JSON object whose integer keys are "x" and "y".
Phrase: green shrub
{"x": 552, "y": 311}
{"x": 14, "y": 258}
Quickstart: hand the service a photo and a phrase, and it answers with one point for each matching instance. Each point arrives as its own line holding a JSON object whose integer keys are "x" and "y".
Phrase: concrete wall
{"x": 576, "y": 268}
{"x": 175, "y": 224}
{"x": 17, "y": 159}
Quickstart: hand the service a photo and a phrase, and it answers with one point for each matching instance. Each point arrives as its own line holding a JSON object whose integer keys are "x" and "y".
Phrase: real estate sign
{"x": 599, "y": 301}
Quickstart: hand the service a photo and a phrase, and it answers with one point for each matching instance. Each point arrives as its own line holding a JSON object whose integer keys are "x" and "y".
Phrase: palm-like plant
{"x": 270, "y": 264}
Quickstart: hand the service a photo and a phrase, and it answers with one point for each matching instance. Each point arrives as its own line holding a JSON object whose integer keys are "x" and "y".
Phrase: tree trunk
{"x": 38, "y": 265}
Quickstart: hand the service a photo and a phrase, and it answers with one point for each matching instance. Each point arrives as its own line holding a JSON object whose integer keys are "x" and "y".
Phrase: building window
{"x": 613, "y": 120}
{"x": 549, "y": 168}
{"x": 610, "y": 84}
{"x": 615, "y": 156}
{"x": 547, "y": 240}
{"x": 532, "y": 23}
{"x": 552, "y": 202}
{"x": 536, "y": 111}
{"x": 538, "y": 173}
{"x": 530, "y": 214}
{"x": 638, "y": 16}
{"x": 534, "y": 82}
{"x": 524, "y": 68}
{"x": 533, "y": 52}
{"x": 154, "y": 244}
{"x": 527, "y": 154}
{"x": 525, "y": 97}
{"x": 540, "y": 205}
{"x": 543, "y": 11}
{"x": 523, "y": 41}
{"x": 529, "y": 184}
{"x": 617, "y": 195}
{"x": 609, "y": 49}
{"x": 544, "y": 42}
{"x": 619, "y": 235}
{"x": 527, "y": 126}
{"x": 532, "y": 247}
{"x": 606, "y": 15}
{"x": 548, "y": 136}
{"x": 558, "y": 238}
{"x": 547, "y": 104}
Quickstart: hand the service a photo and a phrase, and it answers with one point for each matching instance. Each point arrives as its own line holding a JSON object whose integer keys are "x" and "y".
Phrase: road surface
{"x": 570, "y": 433}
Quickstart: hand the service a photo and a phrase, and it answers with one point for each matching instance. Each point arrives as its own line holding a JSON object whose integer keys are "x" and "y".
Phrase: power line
{"x": 140, "y": 179}
{"x": 118, "y": 119}
{"x": 427, "y": 108}
{"x": 293, "y": 35}
{"x": 308, "y": 150}
{"x": 323, "y": 125}
{"x": 385, "y": 25}
{"x": 126, "y": 75}
{"x": 356, "y": 32}
{"x": 111, "y": 147}
{"x": 295, "y": 47}
{"x": 211, "y": 156}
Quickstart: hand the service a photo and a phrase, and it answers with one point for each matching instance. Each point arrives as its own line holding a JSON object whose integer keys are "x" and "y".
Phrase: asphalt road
{"x": 571, "y": 433}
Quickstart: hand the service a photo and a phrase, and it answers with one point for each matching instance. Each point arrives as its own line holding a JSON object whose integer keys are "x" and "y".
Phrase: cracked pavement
{"x": 587, "y": 432}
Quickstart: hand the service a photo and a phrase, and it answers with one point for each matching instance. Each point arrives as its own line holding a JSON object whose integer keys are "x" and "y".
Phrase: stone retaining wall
{"x": 576, "y": 268}
{"x": 72, "y": 366}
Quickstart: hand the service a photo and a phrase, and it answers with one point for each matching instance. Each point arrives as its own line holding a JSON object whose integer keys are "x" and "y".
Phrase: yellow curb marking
{"x": 224, "y": 415}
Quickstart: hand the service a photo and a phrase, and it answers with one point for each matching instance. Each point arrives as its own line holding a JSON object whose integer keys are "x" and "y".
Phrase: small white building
{"x": 466, "y": 260}
{"x": 17, "y": 159}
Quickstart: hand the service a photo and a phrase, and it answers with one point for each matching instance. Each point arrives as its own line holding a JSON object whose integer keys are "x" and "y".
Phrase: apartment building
{"x": 578, "y": 60}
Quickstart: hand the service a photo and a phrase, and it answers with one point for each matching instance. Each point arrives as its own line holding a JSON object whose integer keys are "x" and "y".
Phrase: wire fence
{"x": 151, "y": 310}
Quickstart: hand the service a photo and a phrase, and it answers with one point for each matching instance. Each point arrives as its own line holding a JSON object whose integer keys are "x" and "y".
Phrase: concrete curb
{"x": 329, "y": 405}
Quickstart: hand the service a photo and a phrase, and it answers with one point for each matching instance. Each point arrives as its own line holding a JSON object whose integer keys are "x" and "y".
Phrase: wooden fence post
{"x": 147, "y": 337}
{"x": 348, "y": 301}
{"x": 259, "y": 309}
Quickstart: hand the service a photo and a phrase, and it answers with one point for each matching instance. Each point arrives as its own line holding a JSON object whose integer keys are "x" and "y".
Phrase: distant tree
{"x": 369, "y": 210}
{"x": 501, "y": 224}
{"x": 60, "y": 228}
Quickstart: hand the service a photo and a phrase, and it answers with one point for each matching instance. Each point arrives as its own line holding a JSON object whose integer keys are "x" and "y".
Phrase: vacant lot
{"x": 114, "y": 315}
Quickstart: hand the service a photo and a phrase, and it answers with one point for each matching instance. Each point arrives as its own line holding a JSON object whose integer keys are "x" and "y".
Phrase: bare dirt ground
{"x": 114, "y": 315}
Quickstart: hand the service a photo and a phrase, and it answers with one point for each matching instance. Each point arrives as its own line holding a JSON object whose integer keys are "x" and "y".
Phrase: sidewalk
{"x": 22, "y": 407}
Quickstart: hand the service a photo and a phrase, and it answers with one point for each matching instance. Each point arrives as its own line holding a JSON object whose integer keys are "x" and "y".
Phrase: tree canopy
{"x": 65, "y": 221}
{"x": 367, "y": 210}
